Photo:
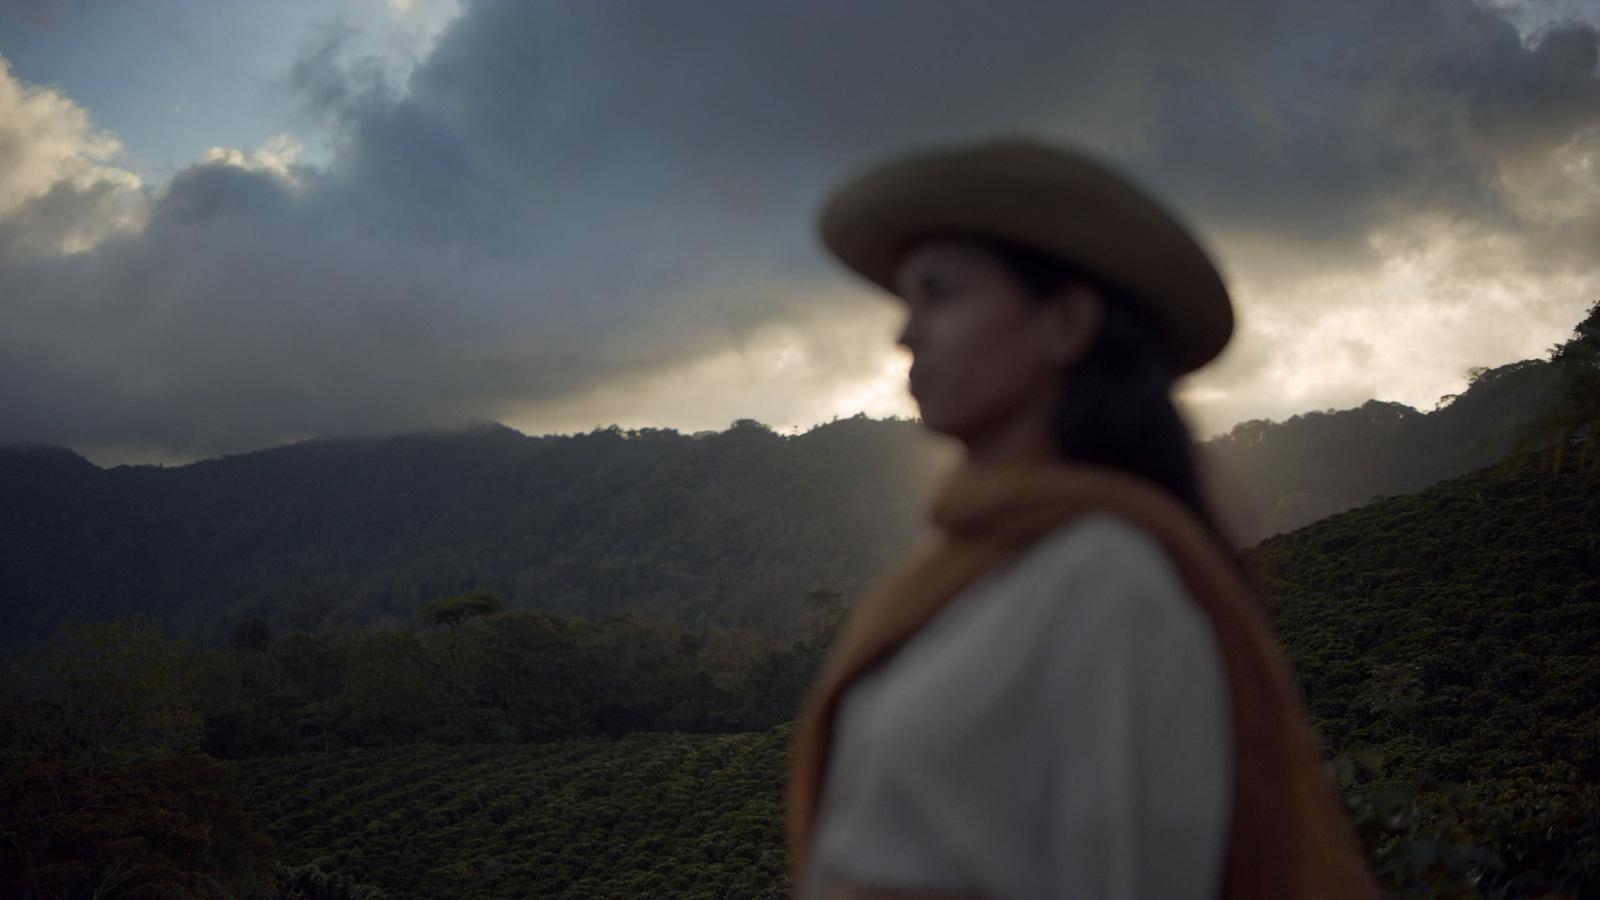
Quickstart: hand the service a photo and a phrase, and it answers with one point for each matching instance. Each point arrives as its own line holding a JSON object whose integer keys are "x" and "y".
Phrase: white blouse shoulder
{"x": 1060, "y": 729}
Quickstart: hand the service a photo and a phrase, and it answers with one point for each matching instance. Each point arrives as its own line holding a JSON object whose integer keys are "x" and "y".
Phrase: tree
{"x": 453, "y": 611}
{"x": 826, "y": 614}
{"x": 103, "y": 790}
{"x": 250, "y": 636}
{"x": 451, "y": 665}
{"x": 1574, "y": 412}
{"x": 386, "y": 698}
{"x": 311, "y": 883}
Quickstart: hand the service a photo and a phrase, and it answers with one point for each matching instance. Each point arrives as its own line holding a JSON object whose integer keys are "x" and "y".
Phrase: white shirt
{"x": 1059, "y": 730}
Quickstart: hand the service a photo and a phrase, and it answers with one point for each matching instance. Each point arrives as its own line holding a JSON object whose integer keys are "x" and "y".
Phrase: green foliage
{"x": 723, "y": 530}
{"x": 452, "y": 611}
{"x": 103, "y": 791}
{"x": 1570, "y": 420}
{"x": 648, "y": 815}
{"x": 1455, "y": 635}
{"x": 1448, "y": 642}
{"x": 250, "y": 636}
{"x": 1496, "y": 839}
{"x": 311, "y": 883}
{"x": 1452, "y": 634}
{"x": 516, "y": 675}
{"x": 1454, "y": 630}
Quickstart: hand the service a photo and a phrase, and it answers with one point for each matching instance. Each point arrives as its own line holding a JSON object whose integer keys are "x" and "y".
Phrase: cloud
{"x": 58, "y": 189}
{"x": 574, "y": 212}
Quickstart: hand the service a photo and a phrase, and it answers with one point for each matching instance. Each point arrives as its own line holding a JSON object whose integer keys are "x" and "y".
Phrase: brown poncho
{"x": 1288, "y": 836}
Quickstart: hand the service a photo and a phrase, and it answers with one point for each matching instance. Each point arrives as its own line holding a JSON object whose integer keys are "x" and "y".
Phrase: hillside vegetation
{"x": 647, "y": 816}
{"x": 1312, "y": 465}
{"x": 1454, "y": 634}
{"x": 729, "y": 529}
{"x": 515, "y": 675}
{"x": 1448, "y": 643}
{"x": 1457, "y": 630}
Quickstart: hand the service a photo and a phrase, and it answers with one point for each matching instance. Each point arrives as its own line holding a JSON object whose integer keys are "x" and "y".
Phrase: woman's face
{"x": 985, "y": 354}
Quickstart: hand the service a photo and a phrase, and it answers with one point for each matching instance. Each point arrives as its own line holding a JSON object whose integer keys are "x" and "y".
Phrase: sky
{"x": 226, "y": 226}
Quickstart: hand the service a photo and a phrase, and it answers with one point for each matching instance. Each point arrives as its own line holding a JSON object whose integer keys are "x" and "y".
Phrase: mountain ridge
{"x": 734, "y": 527}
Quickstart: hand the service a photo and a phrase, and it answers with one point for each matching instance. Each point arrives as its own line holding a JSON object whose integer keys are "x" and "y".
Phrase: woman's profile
{"x": 1072, "y": 692}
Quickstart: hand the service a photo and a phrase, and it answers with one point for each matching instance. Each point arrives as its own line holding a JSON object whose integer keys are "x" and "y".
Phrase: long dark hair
{"x": 1115, "y": 408}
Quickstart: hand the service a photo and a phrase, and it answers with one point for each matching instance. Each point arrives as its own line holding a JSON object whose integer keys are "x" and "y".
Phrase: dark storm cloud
{"x": 571, "y": 195}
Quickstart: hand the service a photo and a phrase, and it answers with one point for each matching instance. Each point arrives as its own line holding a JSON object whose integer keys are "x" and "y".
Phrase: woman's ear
{"x": 1072, "y": 321}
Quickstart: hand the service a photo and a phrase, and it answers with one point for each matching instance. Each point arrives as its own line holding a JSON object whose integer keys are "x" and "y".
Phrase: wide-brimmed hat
{"x": 1054, "y": 200}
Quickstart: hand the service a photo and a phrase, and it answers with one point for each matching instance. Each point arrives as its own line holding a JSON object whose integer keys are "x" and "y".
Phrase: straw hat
{"x": 1047, "y": 198}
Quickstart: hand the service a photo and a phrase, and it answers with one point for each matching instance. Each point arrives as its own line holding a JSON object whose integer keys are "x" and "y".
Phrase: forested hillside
{"x": 1454, "y": 634}
{"x": 728, "y": 529}
{"x": 1456, "y": 630}
{"x": 1319, "y": 463}
{"x": 1448, "y": 643}
{"x": 732, "y": 528}
{"x": 513, "y": 675}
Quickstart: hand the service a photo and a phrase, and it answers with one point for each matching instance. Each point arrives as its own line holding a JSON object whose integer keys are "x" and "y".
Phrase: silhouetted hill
{"x": 731, "y": 528}
{"x": 1316, "y": 464}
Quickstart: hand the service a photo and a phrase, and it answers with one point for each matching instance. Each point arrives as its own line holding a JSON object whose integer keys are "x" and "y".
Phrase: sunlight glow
{"x": 789, "y": 375}
{"x": 1440, "y": 301}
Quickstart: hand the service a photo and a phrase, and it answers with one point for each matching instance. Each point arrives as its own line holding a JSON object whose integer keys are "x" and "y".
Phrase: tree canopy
{"x": 454, "y": 610}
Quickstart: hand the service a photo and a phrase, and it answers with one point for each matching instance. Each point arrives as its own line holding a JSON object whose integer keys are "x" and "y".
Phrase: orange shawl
{"x": 1288, "y": 837}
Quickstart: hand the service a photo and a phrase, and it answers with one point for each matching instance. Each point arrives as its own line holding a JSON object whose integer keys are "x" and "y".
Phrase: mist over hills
{"x": 1313, "y": 465}
{"x": 732, "y": 528}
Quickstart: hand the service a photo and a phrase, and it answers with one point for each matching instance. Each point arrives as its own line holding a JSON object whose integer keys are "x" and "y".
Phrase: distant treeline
{"x": 1316, "y": 464}
{"x": 727, "y": 529}
{"x": 502, "y": 675}
{"x": 721, "y": 530}
{"x": 1319, "y": 463}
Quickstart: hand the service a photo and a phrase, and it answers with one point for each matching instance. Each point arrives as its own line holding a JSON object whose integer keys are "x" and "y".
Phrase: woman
{"x": 1072, "y": 692}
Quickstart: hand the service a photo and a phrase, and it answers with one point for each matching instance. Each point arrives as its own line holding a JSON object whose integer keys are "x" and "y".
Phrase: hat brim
{"x": 1052, "y": 200}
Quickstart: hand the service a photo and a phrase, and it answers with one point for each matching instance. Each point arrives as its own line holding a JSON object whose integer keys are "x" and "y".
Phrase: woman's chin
{"x": 943, "y": 423}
